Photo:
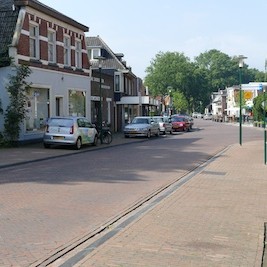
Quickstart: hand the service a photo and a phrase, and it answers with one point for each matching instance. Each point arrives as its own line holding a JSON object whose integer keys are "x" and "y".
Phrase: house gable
{"x": 40, "y": 36}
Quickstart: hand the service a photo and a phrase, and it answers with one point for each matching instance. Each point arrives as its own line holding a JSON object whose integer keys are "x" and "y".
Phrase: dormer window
{"x": 94, "y": 53}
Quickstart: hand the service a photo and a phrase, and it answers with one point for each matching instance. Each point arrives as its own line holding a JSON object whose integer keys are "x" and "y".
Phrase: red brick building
{"x": 53, "y": 45}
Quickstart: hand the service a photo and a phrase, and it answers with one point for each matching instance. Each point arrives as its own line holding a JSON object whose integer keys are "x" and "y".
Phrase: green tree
{"x": 179, "y": 102}
{"x": 200, "y": 93}
{"x": 165, "y": 71}
{"x": 258, "y": 111}
{"x": 222, "y": 70}
{"x": 172, "y": 69}
{"x": 255, "y": 75}
{"x": 210, "y": 71}
{"x": 16, "y": 111}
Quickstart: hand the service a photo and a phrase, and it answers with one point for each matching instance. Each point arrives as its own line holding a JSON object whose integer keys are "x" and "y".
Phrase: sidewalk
{"x": 214, "y": 219}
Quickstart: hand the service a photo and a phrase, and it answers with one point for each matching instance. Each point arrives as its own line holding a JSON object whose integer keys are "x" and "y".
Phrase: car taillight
{"x": 72, "y": 129}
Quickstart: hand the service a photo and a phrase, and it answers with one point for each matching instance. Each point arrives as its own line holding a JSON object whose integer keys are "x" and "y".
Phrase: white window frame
{"x": 118, "y": 82}
{"x": 34, "y": 46}
{"x": 67, "y": 51}
{"x": 51, "y": 46}
{"x": 78, "y": 53}
{"x": 95, "y": 53}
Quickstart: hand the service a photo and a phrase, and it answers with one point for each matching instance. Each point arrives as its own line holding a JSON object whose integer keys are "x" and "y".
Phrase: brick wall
{"x": 44, "y": 25}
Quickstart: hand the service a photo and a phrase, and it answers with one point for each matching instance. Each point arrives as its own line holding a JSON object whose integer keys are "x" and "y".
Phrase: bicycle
{"x": 106, "y": 135}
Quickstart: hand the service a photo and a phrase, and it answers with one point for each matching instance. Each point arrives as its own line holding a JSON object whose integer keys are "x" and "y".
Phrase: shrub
{"x": 16, "y": 110}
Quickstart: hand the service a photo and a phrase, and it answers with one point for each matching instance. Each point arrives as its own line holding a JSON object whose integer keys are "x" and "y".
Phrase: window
{"x": 77, "y": 103}
{"x": 34, "y": 41}
{"x": 51, "y": 46}
{"x": 67, "y": 50}
{"x": 118, "y": 82}
{"x": 37, "y": 109}
{"x": 78, "y": 54}
{"x": 93, "y": 53}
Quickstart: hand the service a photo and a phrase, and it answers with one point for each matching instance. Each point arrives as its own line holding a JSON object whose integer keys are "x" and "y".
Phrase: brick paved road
{"x": 215, "y": 219}
{"x": 18, "y": 208}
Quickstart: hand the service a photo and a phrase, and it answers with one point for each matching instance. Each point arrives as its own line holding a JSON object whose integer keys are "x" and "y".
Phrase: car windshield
{"x": 177, "y": 119}
{"x": 140, "y": 121}
{"x": 62, "y": 122}
{"x": 158, "y": 119}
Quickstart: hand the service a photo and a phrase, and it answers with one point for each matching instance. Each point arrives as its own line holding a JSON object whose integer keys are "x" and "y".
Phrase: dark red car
{"x": 180, "y": 123}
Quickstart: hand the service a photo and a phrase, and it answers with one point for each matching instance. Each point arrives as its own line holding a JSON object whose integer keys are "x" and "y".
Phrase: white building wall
{"x": 58, "y": 84}
{"x": 4, "y": 73}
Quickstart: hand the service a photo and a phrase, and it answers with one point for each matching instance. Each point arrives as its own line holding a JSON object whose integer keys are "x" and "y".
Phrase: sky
{"x": 140, "y": 29}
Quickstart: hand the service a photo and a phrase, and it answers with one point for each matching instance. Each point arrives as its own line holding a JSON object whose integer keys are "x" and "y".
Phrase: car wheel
{"x": 95, "y": 141}
{"x": 126, "y": 136}
{"x": 46, "y": 145}
{"x": 78, "y": 144}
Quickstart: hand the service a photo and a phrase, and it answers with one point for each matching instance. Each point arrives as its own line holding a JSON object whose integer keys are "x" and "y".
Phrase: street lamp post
{"x": 100, "y": 58}
{"x": 241, "y": 65}
{"x": 170, "y": 100}
{"x": 264, "y": 123}
{"x": 264, "y": 113}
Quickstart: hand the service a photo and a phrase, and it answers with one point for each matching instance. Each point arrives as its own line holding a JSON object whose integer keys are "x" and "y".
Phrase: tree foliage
{"x": 16, "y": 110}
{"x": 258, "y": 111}
{"x": 165, "y": 71}
{"x": 209, "y": 72}
{"x": 220, "y": 68}
{"x": 175, "y": 70}
{"x": 179, "y": 102}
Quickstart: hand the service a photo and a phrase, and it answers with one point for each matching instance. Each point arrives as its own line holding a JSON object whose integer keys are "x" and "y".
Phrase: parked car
{"x": 180, "y": 123}
{"x": 165, "y": 124}
{"x": 188, "y": 117}
{"x": 142, "y": 126}
{"x": 74, "y": 131}
{"x": 191, "y": 121}
{"x": 197, "y": 115}
{"x": 200, "y": 116}
{"x": 207, "y": 116}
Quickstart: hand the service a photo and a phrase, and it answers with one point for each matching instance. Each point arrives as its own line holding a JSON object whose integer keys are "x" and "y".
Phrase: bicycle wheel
{"x": 107, "y": 138}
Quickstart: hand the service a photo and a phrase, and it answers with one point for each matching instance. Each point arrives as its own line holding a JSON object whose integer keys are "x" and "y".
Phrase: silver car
{"x": 165, "y": 124}
{"x": 207, "y": 116}
{"x": 74, "y": 131}
{"x": 142, "y": 126}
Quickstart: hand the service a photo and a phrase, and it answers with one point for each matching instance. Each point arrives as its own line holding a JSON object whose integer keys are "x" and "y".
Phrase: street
{"x": 50, "y": 205}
